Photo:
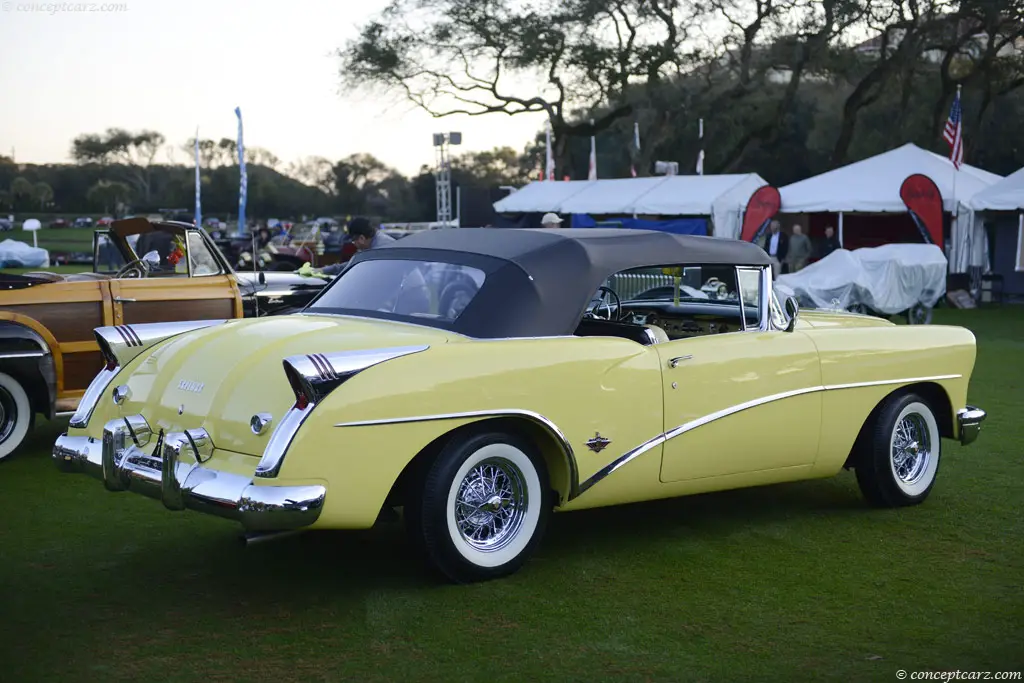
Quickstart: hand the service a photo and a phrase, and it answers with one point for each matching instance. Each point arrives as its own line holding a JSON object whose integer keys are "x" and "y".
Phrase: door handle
{"x": 122, "y": 300}
{"x": 677, "y": 360}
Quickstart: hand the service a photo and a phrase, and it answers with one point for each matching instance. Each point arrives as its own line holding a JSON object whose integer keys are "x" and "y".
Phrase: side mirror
{"x": 792, "y": 310}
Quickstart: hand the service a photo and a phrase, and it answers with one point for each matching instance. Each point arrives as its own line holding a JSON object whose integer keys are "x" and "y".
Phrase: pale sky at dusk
{"x": 170, "y": 65}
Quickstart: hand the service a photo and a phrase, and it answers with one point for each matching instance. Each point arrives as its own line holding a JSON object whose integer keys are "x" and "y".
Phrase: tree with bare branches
{"x": 551, "y": 57}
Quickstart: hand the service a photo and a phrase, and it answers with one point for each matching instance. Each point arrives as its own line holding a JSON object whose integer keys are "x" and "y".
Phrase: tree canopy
{"x": 747, "y": 66}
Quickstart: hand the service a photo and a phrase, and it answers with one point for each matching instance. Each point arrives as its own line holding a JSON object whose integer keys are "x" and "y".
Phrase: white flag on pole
{"x": 636, "y": 146}
{"x": 592, "y": 174}
{"x": 700, "y": 155}
{"x": 199, "y": 211}
{"x": 549, "y": 167}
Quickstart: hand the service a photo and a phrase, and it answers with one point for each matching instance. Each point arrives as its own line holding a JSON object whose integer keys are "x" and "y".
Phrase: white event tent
{"x": 722, "y": 197}
{"x": 873, "y": 186}
{"x": 1005, "y": 195}
{"x": 996, "y": 204}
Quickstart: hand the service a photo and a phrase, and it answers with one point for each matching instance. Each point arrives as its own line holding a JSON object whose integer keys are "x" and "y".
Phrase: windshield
{"x": 422, "y": 289}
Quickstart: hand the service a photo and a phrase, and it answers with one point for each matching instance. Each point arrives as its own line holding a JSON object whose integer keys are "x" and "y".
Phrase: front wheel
{"x": 899, "y": 460}
{"x": 16, "y": 414}
{"x": 483, "y": 507}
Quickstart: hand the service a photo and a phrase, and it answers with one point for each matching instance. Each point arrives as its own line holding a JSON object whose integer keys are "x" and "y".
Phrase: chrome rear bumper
{"x": 122, "y": 464}
{"x": 969, "y": 421}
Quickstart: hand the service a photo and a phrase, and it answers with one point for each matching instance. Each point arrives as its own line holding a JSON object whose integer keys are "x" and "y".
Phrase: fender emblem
{"x": 598, "y": 443}
{"x": 194, "y": 387}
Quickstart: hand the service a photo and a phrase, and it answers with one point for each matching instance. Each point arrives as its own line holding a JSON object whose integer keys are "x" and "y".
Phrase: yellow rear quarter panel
{"x": 583, "y": 385}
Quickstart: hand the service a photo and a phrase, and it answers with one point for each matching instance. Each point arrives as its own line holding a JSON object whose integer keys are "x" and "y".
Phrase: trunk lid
{"x": 219, "y": 377}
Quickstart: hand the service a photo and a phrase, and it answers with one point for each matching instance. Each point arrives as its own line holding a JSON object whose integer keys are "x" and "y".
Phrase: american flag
{"x": 954, "y": 133}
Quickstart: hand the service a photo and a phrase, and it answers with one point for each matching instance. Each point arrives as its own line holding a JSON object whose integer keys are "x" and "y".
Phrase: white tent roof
{"x": 873, "y": 185}
{"x": 691, "y": 195}
{"x": 613, "y": 195}
{"x": 699, "y": 195}
{"x": 1006, "y": 195}
{"x": 540, "y": 196}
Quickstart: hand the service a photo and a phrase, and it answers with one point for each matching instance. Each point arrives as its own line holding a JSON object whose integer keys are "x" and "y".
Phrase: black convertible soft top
{"x": 540, "y": 281}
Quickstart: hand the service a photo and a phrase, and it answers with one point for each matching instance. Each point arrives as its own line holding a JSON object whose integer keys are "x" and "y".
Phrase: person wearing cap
{"x": 551, "y": 220}
{"x": 362, "y": 235}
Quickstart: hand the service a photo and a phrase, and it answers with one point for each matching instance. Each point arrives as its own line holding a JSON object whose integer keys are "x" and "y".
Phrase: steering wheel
{"x": 133, "y": 269}
{"x": 614, "y": 308}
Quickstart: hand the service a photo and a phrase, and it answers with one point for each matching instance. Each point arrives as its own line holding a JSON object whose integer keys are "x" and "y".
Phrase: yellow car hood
{"x": 219, "y": 377}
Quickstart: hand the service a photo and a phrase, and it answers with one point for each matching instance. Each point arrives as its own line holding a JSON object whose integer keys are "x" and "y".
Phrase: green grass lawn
{"x": 792, "y": 582}
{"x": 55, "y": 239}
{"x": 51, "y": 269}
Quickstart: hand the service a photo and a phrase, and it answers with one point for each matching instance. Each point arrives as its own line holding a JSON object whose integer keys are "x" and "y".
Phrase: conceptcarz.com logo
{"x": 194, "y": 387}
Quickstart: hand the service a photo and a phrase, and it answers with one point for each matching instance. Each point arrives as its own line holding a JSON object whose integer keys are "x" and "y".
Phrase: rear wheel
{"x": 919, "y": 314}
{"x": 483, "y": 507}
{"x": 899, "y": 460}
{"x": 16, "y": 414}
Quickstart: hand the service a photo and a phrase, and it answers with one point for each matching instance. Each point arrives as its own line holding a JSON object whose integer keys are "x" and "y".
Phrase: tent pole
{"x": 1019, "y": 266}
{"x": 841, "y": 230}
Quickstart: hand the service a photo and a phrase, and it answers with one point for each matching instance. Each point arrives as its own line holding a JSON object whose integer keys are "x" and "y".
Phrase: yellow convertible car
{"x": 480, "y": 379}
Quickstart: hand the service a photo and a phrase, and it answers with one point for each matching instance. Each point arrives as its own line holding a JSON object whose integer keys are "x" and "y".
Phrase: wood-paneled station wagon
{"x": 143, "y": 273}
{"x": 521, "y": 396}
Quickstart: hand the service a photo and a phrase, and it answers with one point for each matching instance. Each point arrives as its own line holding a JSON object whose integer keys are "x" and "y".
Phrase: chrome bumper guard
{"x": 969, "y": 420}
{"x": 122, "y": 464}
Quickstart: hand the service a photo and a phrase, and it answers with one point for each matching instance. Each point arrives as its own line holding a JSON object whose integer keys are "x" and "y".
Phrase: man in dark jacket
{"x": 827, "y": 244}
{"x": 777, "y": 245}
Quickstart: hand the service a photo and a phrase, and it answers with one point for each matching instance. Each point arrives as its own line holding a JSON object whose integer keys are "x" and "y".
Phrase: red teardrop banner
{"x": 761, "y": 208}
{"x": 924, "y": 201}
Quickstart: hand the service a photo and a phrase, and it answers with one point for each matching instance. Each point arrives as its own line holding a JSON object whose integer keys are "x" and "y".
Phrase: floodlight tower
{"x": 443, "y": 174}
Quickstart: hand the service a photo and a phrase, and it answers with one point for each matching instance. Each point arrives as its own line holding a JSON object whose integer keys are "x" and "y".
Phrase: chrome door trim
{"x": 740, "y": 407}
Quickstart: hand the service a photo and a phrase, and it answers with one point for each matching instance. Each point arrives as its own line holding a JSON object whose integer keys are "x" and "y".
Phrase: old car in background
{"x": 479, "y": 417}
{"x": 894, "y": 279}
{"x": 142, "y": 273}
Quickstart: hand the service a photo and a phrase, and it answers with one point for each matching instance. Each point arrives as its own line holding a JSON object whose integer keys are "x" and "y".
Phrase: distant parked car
{"x": 6, "y": 225}
{"x": 59, "y": 223}
{"x": 83, "y": 222}
{"x": 106, "y": 220}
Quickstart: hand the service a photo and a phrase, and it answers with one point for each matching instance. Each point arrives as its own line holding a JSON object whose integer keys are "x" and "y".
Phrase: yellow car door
{"x": 738, "y": 403}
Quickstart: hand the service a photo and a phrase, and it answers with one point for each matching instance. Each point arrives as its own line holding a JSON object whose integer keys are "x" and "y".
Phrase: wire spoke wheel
{"x": 491, "y": 504}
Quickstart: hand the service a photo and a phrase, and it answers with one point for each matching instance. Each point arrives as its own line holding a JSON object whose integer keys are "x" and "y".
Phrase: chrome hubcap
{"x": 491, "y": 504}
{"x": 911, "y": 447}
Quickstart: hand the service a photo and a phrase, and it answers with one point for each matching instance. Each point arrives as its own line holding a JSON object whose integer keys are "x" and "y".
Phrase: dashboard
{"x": 685, "y": 320}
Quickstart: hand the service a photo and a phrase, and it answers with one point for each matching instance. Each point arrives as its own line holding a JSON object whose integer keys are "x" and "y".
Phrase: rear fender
{"x": 26, "y": 356}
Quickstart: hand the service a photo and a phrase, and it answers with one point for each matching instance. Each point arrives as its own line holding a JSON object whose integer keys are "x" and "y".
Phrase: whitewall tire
{"x": 16, "y": 414}
{"x": 483, "y": 507}
{"x": 899, "y": 462}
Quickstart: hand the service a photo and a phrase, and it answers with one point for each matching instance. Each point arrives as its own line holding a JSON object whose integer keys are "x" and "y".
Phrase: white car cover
{"x": 15, "y": 254}
{"x": 889, "y": 279}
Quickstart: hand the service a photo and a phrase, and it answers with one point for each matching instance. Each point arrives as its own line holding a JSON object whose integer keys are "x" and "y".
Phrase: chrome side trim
{"x": 620, "y": 461}
{"x": 878, "y": 383}
{"x": 551, "y": 427}
{"x": 24, "y": 354}
{"x": 319, "y": 374}
{"x": 732, "y": 410}
{"x": 86, "y": 407}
